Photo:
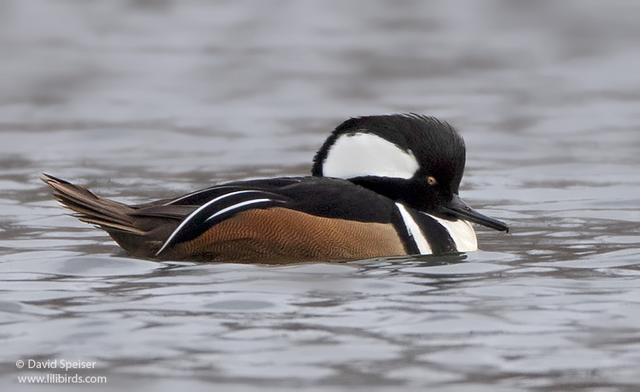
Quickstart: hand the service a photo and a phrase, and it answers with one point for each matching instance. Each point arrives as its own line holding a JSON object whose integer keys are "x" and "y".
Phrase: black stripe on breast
{"x": 410, "y": 245}
{"x": 437, "y": 235}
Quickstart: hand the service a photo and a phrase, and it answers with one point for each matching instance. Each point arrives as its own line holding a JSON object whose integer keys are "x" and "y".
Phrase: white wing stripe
{"x": 235, "y": 206}
{"x": 414, "y": 231}
{"x": 188, "y": 195}
{"x": 194, "y": 213}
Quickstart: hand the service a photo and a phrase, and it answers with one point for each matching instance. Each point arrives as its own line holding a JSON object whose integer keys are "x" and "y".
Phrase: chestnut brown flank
{"x": 278, "y": 235}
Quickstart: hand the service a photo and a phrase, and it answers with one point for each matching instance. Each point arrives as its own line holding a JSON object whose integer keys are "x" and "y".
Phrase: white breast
{"x": 461, "y": 232}
{"x": 414, "y": 231}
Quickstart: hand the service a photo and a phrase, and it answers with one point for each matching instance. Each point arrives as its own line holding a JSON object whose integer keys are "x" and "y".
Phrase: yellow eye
{"x": 431, "y": 180}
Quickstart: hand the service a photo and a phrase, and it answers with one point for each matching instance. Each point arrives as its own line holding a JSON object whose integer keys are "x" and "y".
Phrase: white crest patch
{"x": 461, "y": 233}
{"x": 365, "y": 154}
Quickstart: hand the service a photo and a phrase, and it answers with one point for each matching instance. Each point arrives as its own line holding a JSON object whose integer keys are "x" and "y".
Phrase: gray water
{"x": 146, "y": 99}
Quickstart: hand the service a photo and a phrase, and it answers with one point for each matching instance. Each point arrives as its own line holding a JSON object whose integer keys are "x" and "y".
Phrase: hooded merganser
{"x": 380, "y": 186}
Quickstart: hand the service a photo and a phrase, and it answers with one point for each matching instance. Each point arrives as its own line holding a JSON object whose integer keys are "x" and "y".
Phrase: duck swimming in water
{"x": 380, "y": 186}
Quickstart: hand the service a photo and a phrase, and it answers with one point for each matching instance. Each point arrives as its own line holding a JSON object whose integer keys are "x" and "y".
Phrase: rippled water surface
{"x": 146, "y": 99}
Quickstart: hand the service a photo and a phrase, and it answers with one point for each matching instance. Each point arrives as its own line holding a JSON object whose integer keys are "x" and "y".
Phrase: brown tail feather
{"x": 89, "y": 208}
{"x": 84, "y": 211}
